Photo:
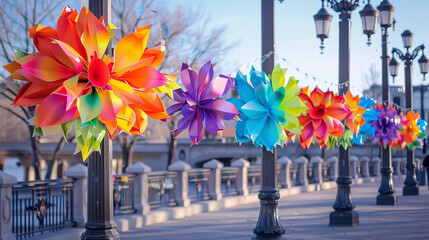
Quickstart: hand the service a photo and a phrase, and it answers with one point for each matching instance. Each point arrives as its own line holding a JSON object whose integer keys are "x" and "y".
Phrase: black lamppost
{"x": 410, "y": 182}
{"x": 268, "y": 225}
{"x": 423, "y": 63}
{"x": 100, "y": 224}
{"x": 386, "y": 190}
{"x": 344, "y": 214}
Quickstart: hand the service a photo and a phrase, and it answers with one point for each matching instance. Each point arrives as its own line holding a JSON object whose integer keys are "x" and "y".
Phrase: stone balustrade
{"x": 180, "y": 185}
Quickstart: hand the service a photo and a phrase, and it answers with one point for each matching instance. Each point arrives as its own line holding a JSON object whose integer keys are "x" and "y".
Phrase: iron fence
{"x": 254, "y": 178}
{"x": 162, "y": 189}
{"x": 198, "y": 184}
{"x": 41, "y": 206}
{"x": 123, "y": 194}
{"x": 229, "y": 180}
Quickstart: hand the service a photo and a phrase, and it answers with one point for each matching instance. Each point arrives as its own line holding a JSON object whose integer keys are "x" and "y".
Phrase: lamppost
{"x": 268, "y": 225}
{"x": 386, "y": 190}
{"x": 100, "y": 223}
{"x": 344, "y": 214}
{"x": 423, "y": 63}
{"x": 410, "y": 182}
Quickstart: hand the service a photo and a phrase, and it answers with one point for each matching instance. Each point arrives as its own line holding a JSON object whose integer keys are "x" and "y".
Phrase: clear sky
{"x": 296, "y": 38}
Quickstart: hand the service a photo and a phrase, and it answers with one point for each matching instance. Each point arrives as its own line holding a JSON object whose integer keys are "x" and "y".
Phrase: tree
{"x": 16, "y": 17}
{"x": 372, "y": 77}
{"x": 186, "y": 38}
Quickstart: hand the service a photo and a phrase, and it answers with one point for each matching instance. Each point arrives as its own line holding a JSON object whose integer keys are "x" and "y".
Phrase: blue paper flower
{"x": 260, "y": 115}
{"x": 367, "y": 130}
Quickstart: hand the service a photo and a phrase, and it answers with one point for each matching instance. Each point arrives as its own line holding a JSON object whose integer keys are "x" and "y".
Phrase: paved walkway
{"x": 306, "y": 216}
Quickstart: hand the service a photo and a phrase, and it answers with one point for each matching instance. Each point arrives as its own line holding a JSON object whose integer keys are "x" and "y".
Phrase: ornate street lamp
{"x": 393, "y": 68}
{"x": 386, "y": 13}
{"x": 407, "y": 39}
{"x": 386, "y": 190}
{"x": 424, "y": 65}
{"x": 369, "y": 19}
{"x": 344, "y": 214}
{"x": 410, "y": 187}
{"x": 323, "y": 22}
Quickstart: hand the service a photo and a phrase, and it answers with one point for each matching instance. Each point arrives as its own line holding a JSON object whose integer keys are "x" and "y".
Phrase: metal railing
{"x": 198, "y": 184}
{"x": 229, "y": 180}
{"x": 162, "y": 189}
{"x": 123, "y": 194}
{"x": 41, "y": 206}
{"x": 254, "y": 178}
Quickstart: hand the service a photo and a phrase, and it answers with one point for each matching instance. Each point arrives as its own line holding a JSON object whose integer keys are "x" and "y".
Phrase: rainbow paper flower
{"x": 73, "y": 79}
{"x": 411, "y": 132}
{"x": 323, "y": 116}
{"x": 386, "y": 127}
{"x": 353, "y": 121}
{"x": 266, "y": 107}
{"x": 201, "y": 102}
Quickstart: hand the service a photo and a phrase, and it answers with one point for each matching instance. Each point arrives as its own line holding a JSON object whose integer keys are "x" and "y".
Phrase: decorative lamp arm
{"x": 417, "y": 50}
{"x": 398, "y": 53}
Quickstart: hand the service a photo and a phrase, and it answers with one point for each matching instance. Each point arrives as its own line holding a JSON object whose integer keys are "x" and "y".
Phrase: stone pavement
{"x": 306, "y": 216}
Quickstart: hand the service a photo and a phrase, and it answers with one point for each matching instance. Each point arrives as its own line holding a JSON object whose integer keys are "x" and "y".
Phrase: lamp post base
{"x": 100, "y": 232}
{"x": 410, "y": 190}
{"x": 344, "y": 219}
{"x": 268, "y": 226}
{"x": 387, "y": 200}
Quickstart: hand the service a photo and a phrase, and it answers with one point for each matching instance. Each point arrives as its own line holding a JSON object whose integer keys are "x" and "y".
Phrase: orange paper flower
{"x": 354, "y": 119}
{"x": 73, "y": 79}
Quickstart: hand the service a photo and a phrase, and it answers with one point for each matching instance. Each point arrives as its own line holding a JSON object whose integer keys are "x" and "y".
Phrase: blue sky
{"x": 296, "y": 38}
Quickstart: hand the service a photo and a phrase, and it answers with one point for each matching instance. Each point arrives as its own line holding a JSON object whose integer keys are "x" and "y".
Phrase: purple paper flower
{"x": 200, "y": 103}
{"x": 385, "y": 126}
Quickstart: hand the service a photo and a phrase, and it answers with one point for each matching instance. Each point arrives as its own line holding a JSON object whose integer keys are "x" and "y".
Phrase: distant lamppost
{"x": 386, "y": 190}
{"x": 424, "y": 66}
{"x": 344, "y": 214}
{"x": 410, "y": 187}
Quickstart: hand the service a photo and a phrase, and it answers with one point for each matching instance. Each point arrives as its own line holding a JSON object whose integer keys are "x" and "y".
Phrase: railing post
{"x": 214, "y": 179}
{"x": 182, "y": 169}
{"x": 364, "y": 166}
{"x": 284, "y": 177}
{"x": 6, "y": 183}
{"x": 353, "y": 161}
{"x": 420, "y": 172}
{"x": 302, "y": 170}
{"x": 375, "y": 161}
{"x": 79, "y": 173}
{"x": 333, "y": 168}
{"x": 396, "y": 162}
{"x": 141, "y": 188}
{"x": 242, "y": 165}
{"x": 317, "y": 162}
{"x": 403, "y": 165}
